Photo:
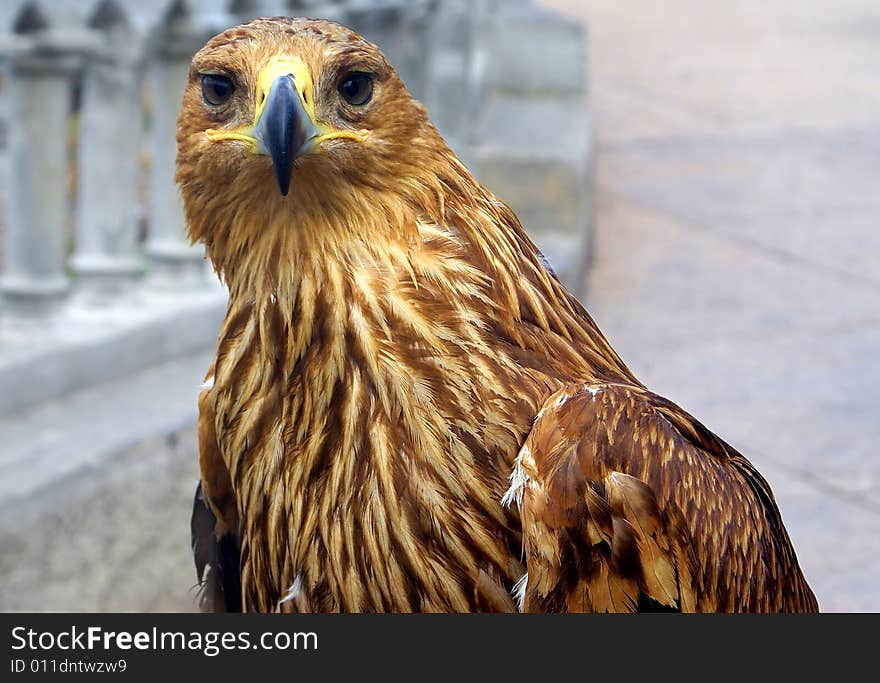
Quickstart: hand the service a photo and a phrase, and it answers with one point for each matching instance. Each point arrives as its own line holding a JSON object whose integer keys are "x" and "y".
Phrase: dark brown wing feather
{"x": 628, "y": 504}
{"x": 216, "y": 558}
{"x": 213, "y": 525}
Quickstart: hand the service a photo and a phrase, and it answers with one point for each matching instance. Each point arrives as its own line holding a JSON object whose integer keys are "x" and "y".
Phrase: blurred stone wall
{"x": 502, "y": 79}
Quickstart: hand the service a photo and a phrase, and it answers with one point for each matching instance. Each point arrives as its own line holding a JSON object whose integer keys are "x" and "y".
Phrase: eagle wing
{"x": 213, "y": 525}
{"x": 630, "y": 504}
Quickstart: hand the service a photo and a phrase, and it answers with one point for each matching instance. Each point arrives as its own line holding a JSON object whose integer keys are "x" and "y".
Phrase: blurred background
{"x": 703, "y": 175}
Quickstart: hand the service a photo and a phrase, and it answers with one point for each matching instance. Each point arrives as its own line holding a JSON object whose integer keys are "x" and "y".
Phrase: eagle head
{"x": 300, "y": 118}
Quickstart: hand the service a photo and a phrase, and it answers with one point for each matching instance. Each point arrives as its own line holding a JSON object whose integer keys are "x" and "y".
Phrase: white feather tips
{"x": 294, "y": 591}
{"x": 519, "y": 591}
{"x": 518, "y": 480}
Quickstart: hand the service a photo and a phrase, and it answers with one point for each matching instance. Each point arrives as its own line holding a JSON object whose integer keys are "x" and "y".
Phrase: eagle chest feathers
{"x": 368, "y": 432}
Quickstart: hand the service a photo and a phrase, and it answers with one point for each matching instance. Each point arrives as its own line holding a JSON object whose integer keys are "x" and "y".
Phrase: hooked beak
{"x": 284, "y": 130}
{"x": 284, "y": 124}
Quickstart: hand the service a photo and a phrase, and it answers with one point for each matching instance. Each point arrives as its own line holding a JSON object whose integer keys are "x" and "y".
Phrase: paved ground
{"x": 738, "y": 250}
{"x": 99, "y": 521}
{"x": 113, "y": 538}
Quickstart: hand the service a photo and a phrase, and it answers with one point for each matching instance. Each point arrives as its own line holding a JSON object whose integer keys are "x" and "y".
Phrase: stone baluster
{"x": 448, "y": 89}
{"x": 40, "y": 69}
{"x": 173, "y": 260}
{"x": 106, "y": 258}
{"x": 410, "y": 50}
{"x": 245, "y": 10}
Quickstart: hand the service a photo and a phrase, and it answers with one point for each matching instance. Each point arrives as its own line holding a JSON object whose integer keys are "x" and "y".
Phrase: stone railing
{"x": 94, "y": 253}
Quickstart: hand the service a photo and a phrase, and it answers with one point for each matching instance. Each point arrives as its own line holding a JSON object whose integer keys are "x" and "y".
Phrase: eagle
{"x": 407, "y": 410}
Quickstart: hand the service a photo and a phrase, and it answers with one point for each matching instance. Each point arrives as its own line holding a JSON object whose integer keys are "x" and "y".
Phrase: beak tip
{"x": 283, "y": 181}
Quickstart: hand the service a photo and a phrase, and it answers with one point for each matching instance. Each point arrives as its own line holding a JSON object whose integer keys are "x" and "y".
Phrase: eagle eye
{"x": 216, "y": 89}
{"x": 356, "y": 88}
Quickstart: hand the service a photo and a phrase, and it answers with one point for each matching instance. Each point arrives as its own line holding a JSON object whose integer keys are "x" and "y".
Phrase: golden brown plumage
{"x": 396, "y": 360}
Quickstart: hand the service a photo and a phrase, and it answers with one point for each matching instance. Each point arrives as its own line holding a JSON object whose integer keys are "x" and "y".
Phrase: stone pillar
{"x": 106, "y": 258}
{"x": 173, "y": 260}
{"x": 533, "y": 143}
{"x": 40, "y": 70}
{"x": 449, "y": 90}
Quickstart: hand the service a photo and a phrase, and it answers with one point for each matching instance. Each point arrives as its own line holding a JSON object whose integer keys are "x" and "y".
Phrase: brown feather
{"x": 692, "y": 521}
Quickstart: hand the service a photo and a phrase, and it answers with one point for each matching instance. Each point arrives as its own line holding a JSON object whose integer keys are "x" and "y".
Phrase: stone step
{"x": 537, "y": 156}
{"x": 86, "y": 343}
